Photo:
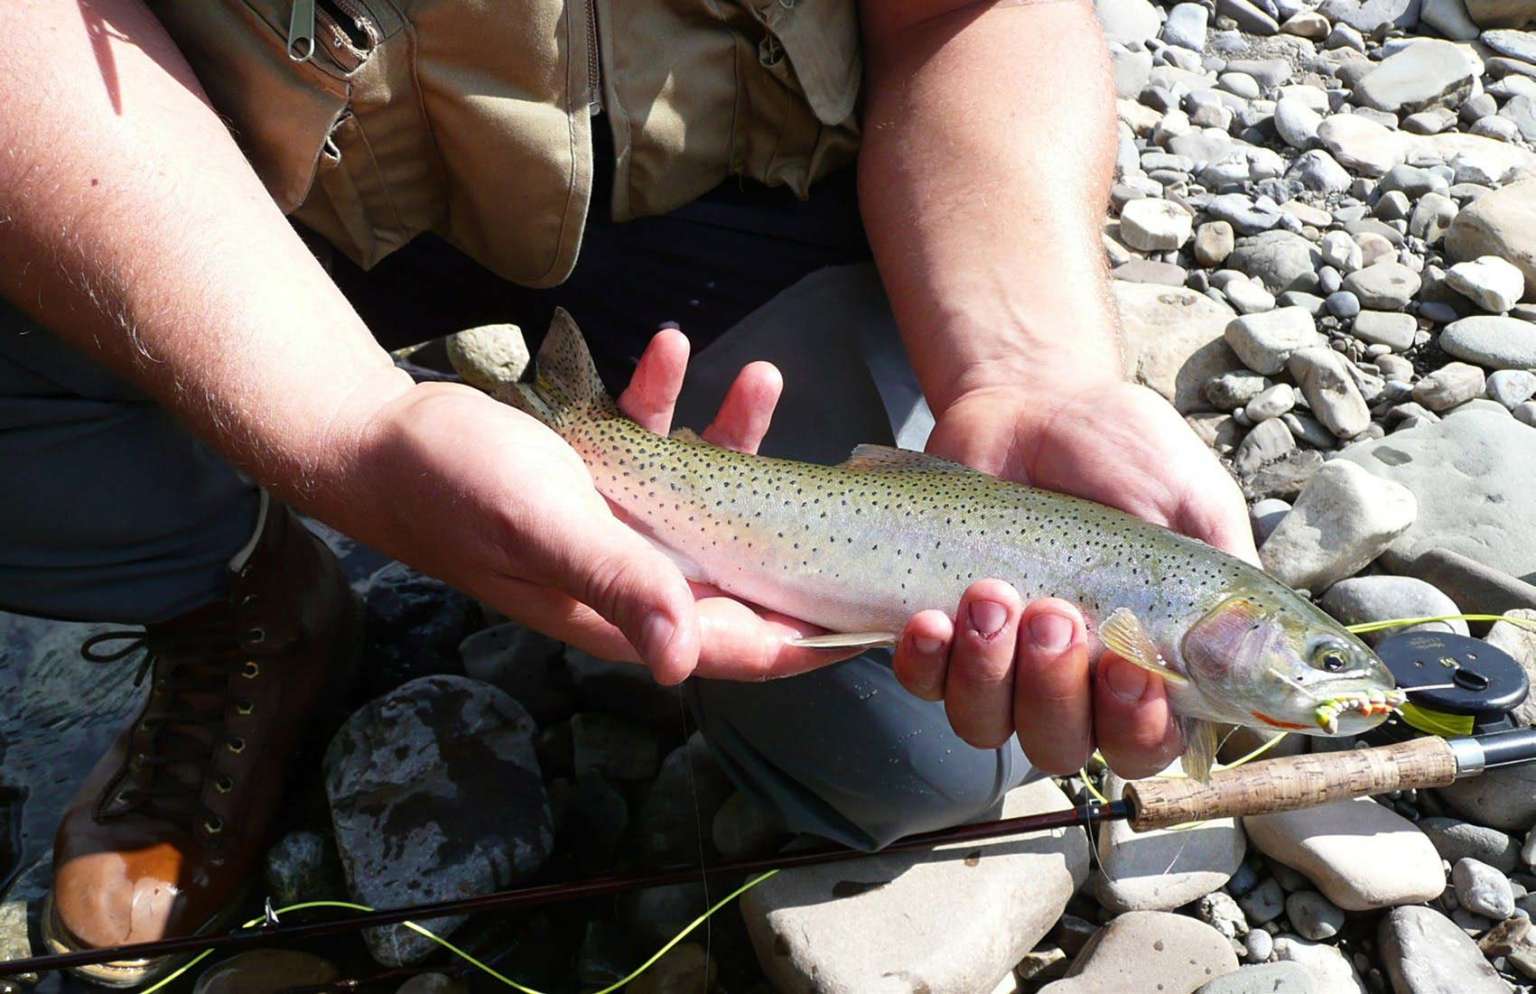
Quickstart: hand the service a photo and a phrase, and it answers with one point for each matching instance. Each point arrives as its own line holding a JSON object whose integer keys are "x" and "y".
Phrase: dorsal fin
{"x": 886, "y": 457}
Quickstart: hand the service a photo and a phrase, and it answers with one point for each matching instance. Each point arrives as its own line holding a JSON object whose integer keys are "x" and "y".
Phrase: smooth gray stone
{"x": 1313, "y": 916}
{"x": 1278, "y": 259}
{"x": 1379, "y": 598}
{"x": 1264, "y": 978}
{"x": 1482, "y": 889}
{"x": 1426, "y": 953}
{"x": 1421, "y": 75}
{"x": 1455, "y": 839}
{"x": 1386, "y": 286}
{"x": 1366, "y": 16}
{"x": 1493, "y": 341}
{"x": 1248, "y": 16}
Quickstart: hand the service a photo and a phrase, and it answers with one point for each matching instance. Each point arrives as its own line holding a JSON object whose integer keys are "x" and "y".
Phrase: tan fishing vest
{"x": 473, "y": 118}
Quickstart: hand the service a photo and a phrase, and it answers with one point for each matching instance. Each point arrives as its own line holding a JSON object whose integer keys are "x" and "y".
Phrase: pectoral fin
{"x": 1123, "y": 635}
{"x": 846, "y": 640}
{"x": 1201, "y": 740}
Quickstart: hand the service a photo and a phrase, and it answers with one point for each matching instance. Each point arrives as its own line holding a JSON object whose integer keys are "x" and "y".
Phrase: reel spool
{"x": 1456, "y": 685}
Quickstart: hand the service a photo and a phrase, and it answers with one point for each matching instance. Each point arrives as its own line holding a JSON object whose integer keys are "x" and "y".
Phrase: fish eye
{"x": 1330, "y": 657}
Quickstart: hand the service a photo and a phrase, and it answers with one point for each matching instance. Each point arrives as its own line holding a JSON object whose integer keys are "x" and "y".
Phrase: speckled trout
{"x": 859, "y": 547}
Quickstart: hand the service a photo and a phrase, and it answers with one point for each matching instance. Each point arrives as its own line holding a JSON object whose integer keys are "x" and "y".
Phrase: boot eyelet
{"x": 213, "y": 826}
{"x": 235, "y": 745}
{"x": 249, "y": 600}
{"x": 244, "y": 708}
{"x": 251, "y": 670}
{"x": 255, "y": 635}
{"x": 224, "y": 784}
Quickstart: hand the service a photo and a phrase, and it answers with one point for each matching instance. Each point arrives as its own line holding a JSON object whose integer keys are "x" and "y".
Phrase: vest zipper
{"x": 301, "y": 30}
{"x": 594, "y": 63}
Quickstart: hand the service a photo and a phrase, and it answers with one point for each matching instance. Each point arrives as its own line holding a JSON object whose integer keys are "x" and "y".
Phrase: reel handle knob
{"x": 1292, "y": 782}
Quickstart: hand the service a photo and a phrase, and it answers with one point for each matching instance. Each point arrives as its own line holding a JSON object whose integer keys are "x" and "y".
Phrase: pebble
{"x": 1155, "y": 225}
{"x": 1501, "y": 223}
{"x": 1489, "y": 282}
{"x": 1318, "y": 171}
{"x": 1271, "y": 403}
{"x": 302, "y": 866}
{"x": 1379, "y": 598}
{"x": 1495, "y": 342}
{"x": 1146, "y": 951}
{"x": 1482, "y": 889}
{"x": 1264, "y": 903}
{"x": 1265, "y": 515}
{"x": 613, "y": 747}
{"x": 1313, "y": 915}
{"x": 688, "y": 791}
{"x": 1342, "y": 304}
{"x": 1281, "y": 260}
{"x": 1455, "y": 840}
{"x": 1385, "y": 286}
{"x": 1265, "y": 341}
{"x": 1213, "y": 243}
{"x": 1525, "y": 413}
{"x": 1249, "y": 16}
{"x": 947, "y": 924}
{"x": 1424, "y": 952}
{"x": 1297, "y": 123}
{"x": 1331, "y": 390}
{"x": 1220, "y": 911}
{"x": 1129, "y": 22}
{"x": 1341, "y": 251}
{"x": 1394, "y": 330}
{"x": 1235, "y": 388}
{"x": 1362, "y": 145}
{"x": 1450, "y": 386}
{"x": 1261, "y": 945}
{"x": 1249, "y": 297}
{"x": 1329, "y": 968}
{"x": 1186, "y": 26}
{"x": 1511, "y": 387}
{"x": 1359, "y": 854}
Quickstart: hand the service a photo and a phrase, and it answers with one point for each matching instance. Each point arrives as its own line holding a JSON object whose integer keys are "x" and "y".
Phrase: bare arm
{"x": 989, "y": 146}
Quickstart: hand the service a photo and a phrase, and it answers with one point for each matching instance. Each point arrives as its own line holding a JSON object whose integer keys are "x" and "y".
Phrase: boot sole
{"x": 119, "y": 973}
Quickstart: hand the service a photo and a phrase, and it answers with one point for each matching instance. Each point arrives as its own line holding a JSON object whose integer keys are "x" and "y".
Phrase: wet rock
{"x": 687, "y": 792}
{"x": 265, "y": 971}
{"x": 1501, "y": 223}
{"x": 1360, "y": 854}
{"x": 1425, "y": 953}
{"x": 1466, "y": 473}
{"x": 1160, "y": 870}
{"x": 405, "y": 777}
{"x": 1329, "y": 968}
{"x": 303, "y": 866}
{"x": 1264, "y": 978}
{"x": 1482, "y": 889}
{"x": 524, "y": 663}
{"x": 1455, "y": 840}
{"x": 592, "y": 817}
{"x": 1494, "y": 342}
{"x": 687, "y": 969}
{"x": 624, "y": 689}
{"x": 1380, "y": 598}
{"x": 1148, "y": 950}
{"x": 744, "y": 826}
{"x": 1172, "y": 343}
{"x": 613, "y": 747}
{"x": 414, "y": 626}
{"x": 952, "y": 925}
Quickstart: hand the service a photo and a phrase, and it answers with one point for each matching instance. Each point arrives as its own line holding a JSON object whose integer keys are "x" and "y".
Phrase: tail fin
{"x": 566, "y": 388}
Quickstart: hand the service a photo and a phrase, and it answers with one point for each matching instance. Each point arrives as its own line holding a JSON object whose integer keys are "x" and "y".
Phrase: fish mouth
{"x": 1366, "y": 704}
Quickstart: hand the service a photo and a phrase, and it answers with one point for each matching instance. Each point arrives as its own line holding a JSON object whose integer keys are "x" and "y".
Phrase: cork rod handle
{"x": 1292, "y": 782}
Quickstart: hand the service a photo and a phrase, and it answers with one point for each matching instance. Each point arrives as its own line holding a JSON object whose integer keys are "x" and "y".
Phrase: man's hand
{"x": 498, "y": 505}
{"x": 1003, "y": 667}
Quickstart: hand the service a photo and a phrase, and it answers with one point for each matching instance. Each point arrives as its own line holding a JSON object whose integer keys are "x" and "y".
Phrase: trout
{"x": 859, "y": 547}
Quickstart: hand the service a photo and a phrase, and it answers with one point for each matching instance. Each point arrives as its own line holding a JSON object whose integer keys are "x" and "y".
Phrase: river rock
{"x": 686, "y": 794}
{"x": 1502, "y": 798}
{"x": 414, "y": 626}
{"x": 1269, "y": 441}
{"x": 1385, "y": 286}
{"x": 1423, "y": 74}
{"x": 1424, "y": 952}
{"x": 1519, "y": 640}
{"x": 1332, "y": 390}
{"x": 1172, "y": 342}
{"x": 1146, "y": 951}
{"x": 1264, "y": 903}
{"x": 1488, "y": 281}
{"x": 1360, "y": 854}
{"x": 1341, "y": 521}
{"x": 1313, "y": 915}
{"x": 1380, "y": 598}
{"x": 1265, "y": 341}
{"x": 1501, "y": 13}
{"x": 1297, "y": 123}
{"x": 1511, "y": 387}
{"x": 1280, "y": 260}
{"x": 1455, "y": 840}
{"x": 686, "y": 969}
{"x": 1159, "y": 870}
{"x": 1264, "y": 978}
{"x": 408, "y": 776}
{"x": 1470, "y": 476}
{"x": 1153, "y": 225}
{"x": 1129, "y": 22}
{"x": 1449, "y": 17}
{"x": 265, "y": 971}
{"x": 1330, "y": 969}
{"x": 526, "y": 664}
{"x": 1501, "y": 223}
{"x": 1186, "y": 26}
{"x": 1362, "y": 145}
{"x": 1482, "y": 890}
{"x": 1494, "y": 342}
{"x": 1449, "y": 386}
{"x": 1395, "y": 331}
{"x": 1221, "y": 911}
{"x": 613, "y": 747}
{"x": 953, "y": 924}
{"x": 302, "y": 866}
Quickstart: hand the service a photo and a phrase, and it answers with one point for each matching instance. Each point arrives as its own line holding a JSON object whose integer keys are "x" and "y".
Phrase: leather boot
{"x": 175, "y": 819}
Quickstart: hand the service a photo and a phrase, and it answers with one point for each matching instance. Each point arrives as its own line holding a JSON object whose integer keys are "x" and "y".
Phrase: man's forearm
{"x": 132, "y": 226}
{"x": 988, "y": 152}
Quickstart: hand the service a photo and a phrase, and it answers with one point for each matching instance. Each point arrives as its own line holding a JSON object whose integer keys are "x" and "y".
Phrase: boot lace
{"x": 183, "y": 722}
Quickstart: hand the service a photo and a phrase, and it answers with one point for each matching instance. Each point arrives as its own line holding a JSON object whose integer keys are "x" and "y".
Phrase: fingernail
{"x": 1127, "y": 681}
{"x": 1050, "y": 632}
{"x": 655, "y": 635}
{"x": 988, "y": 618}
{"x": 927, "y": 647}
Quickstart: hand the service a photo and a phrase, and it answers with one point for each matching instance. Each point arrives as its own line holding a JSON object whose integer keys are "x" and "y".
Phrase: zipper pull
{"x": 301, "y": 31}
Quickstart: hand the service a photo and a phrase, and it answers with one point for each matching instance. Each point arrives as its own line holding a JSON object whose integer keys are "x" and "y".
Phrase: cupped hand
{"x": 490, "y": 500}
{"x": 1004, "y": 667}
